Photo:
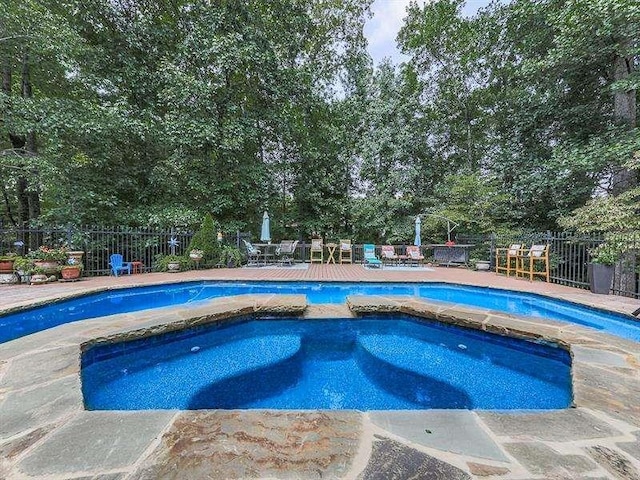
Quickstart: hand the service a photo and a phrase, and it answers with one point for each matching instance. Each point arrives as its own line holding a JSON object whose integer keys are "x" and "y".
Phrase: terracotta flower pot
{"x": 39, "y": 278}
{"x": 70, "y": 273}
{"x": 47, "y": 265}
{"x": 6, "y": 266}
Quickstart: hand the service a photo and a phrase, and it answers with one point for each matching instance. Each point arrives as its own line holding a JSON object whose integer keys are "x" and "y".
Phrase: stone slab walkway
{"x": 45, "y": 433}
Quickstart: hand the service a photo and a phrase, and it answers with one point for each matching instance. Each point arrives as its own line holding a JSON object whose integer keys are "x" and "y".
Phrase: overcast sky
{"x": 382, "y": 29}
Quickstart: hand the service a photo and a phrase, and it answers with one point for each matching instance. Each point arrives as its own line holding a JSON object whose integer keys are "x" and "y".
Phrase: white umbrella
{"x": 417, "y": 239}
{"x": 265, "y": 235}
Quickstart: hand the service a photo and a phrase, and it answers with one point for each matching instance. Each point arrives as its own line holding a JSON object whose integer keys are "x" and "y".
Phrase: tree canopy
{"x": 158, "y": 113}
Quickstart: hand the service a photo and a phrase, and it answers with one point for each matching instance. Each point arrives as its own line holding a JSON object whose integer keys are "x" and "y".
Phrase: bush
{"x": 206, "y": 240}
{"x": 230, "y": 256}
{"x": 161, "y": 263}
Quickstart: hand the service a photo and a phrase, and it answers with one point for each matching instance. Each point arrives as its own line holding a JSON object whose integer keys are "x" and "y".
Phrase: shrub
{"x": 230, "y": 256}
{"x": 206, "y": 240}
{"x": 161, "y": 262}
{"x": 49, "y": 254}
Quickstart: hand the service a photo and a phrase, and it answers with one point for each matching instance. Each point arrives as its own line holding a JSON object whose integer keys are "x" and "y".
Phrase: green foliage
{"x": 206, "y": 240}
{"x": 48, "y": 254}
{"x": 161, "y": 262}
{"x": 607, "y": 253}
{"x": 611, "y": 213}
{"x": 24, "y": 265}
{"x": 230, "y": 256}
{"x": 155, "y": 113}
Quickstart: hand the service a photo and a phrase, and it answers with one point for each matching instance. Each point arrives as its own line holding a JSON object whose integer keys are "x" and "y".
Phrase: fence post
{"x": 492, "y": 251}
{"x": 69, "y": 235}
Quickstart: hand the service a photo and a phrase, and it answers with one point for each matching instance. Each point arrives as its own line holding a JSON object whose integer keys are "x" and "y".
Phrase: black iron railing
{"x": 569, "y": 253}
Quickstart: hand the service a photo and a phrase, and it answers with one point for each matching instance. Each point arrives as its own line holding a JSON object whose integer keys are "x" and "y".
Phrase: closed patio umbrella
{"x": 265, "y": 234}
{"x": 417, "y": 241}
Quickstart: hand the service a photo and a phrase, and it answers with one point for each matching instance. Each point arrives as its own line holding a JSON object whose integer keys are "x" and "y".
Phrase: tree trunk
{"x": 30, "y": 193}
{"x": 624, "y": 104}
{"x": 624, "y": 109}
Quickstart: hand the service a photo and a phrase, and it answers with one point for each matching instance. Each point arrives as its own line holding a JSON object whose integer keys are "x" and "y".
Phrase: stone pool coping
{"x": 45, "y": 432}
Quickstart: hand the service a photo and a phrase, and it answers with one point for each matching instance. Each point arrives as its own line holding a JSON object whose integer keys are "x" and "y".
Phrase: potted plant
{"x": 39, "y": 276}
{"x": 480, "y": 265}
{"x": 49, "y": 259}
{"x": 196, "y": 254}
{"x": 601, "y": 268}
{"x": 6, "y": 262}
{"x": 72, "y": 270}
{"x": 74, "y": 257}
{"x": 171, "y": 263}
{"x": 24, "y": 268}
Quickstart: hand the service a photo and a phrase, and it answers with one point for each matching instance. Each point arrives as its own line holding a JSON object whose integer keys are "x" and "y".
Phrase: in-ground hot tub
{"x": 374, "y": 363}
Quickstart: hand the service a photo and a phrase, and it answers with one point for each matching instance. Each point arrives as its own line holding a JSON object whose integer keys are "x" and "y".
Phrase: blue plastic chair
{"x": 370, "y": 258}
{"x": 117, "y": 265}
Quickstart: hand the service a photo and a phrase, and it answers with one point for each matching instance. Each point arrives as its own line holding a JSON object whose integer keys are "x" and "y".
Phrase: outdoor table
{"x": 402, "y": 259}
{"x": 266, "y": 252}
{"x": 456, "y": 254}
{"x": 136, "y": 267}
{"x": 331, "y": 247}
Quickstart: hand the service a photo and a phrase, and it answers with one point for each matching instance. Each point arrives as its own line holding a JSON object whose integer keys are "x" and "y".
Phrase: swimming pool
{"x": 25, "y": 322}
{"x": 376, "y": 363}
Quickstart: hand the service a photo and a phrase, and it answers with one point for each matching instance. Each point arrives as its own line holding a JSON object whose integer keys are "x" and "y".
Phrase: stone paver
{"x": 614, "y": 462}
{"x": 598, "y": 356}
{"x": 23, "y": 411}
{"x": 23, "y": 371}
{"x": 246, "y": 444}
{"x": 632, "y": 448}
{"x": 96, "y": 441}
{"x": 391, "y": 460}
{"x": 598, "y": 387}
{"x": 558, "y": 426}
{"x": 455, "y": 431}
{"x": 542, "y": 460}
{"x": 482, "y": 470}
{"x": 44, "y": 430}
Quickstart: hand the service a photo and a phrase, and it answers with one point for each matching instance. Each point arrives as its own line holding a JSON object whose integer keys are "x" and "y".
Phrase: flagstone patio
{"x": 45, "y": 432}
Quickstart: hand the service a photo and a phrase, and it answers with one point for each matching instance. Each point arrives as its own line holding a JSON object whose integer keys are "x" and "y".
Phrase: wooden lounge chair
{"x": 370, "y": 259}
{"x": 506, "y": 258}
{"x": 388, "y": 253}
{"x": 317, "y": 250}
{"x": 526, "y": 262}
{"x": 414, "y": 255}
{"x": 345, "y": 251}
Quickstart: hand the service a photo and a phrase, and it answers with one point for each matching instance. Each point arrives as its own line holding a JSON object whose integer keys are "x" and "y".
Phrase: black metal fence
{"x": 570, "y": 256}
{"x": 569, "y": 252}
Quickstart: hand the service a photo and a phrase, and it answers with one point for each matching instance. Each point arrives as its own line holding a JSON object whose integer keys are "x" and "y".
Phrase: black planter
{"x": 600, "y": 277}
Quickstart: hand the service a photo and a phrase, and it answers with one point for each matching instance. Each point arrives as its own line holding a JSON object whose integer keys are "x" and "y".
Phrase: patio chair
{"x": 285, "y": 251}
{"x": 370, "y": 259}
{"x": 506, "y": 258}
{"x": 388, "y": 253}
{"x": 253, "y": 253}
{"x": 526, "y": 262}
{"x": 345, "y": 251}
{"x": 414, "y": 255}
{"x": 317, "y": 250}
{"x": 118, "y": 265}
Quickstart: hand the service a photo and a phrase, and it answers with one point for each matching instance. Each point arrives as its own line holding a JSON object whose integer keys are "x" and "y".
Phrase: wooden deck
{"x": 19, "y": 295}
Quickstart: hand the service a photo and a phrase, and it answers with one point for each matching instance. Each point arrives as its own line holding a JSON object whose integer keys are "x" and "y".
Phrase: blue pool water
{"x": 134, "y": 299}
{"x": 375, "y": 363}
